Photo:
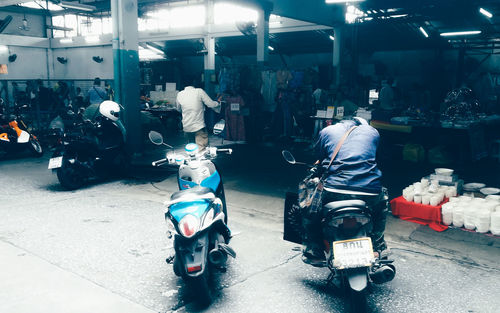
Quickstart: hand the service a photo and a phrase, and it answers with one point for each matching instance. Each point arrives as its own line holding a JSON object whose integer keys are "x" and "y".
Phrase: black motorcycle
{"x": 346, "y": 227}
{"x": 89, "y": 149}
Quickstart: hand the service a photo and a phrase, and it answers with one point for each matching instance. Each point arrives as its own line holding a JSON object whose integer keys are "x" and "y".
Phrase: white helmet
{"x": 110, "y": 109}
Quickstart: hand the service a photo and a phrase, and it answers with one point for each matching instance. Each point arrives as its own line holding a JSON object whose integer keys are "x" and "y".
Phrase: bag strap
{"x": 338, "y": 146}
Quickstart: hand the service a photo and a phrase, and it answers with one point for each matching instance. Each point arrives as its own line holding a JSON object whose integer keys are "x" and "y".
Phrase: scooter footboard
{"x": 192, "y": 255}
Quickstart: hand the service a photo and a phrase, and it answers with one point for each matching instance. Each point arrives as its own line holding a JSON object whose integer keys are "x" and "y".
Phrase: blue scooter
{"x": 197, "y": 217}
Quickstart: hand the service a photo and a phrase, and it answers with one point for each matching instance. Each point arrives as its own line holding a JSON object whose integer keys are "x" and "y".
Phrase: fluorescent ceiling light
{"x": 270, "y": 48}
{"x": 77, "y": 6}
{"x": 152, "y": 48}
{"x": 92, "y": 39}
{"x": 485, "y": 13}
{"x": 146, "y": 54}
{"x": 422, "y": 30}
{"x": 341, "y": 1}
{"x": 462, "y": 33}
{"x": 66, "y": 40}
{"x": 332, "y": 38}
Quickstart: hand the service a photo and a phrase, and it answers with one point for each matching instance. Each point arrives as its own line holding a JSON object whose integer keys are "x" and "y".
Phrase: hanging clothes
{"x": 297, "y": 80}
{"x": 229, "y": 80}
{"x": 235, "y": 122}
{"x": 269, "y": 90}
{"x": 282, "y": 78}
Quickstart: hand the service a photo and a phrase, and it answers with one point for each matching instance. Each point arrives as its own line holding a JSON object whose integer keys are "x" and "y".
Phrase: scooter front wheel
{"x": 36, "y": 147}
{"x": 200, "y": 289}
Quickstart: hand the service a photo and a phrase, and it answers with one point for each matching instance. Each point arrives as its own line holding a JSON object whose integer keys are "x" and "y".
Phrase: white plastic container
{"x": 447, "y": 213}
{"x": 470, "y": 218}
{"x": 426, "y": 199}
{"x": 434, "y": 201}
{"x": 495, "y": 223}
{"x": 417, "y": 198}
{"x": 483, "y": 220}
{"x": 408, "y": 196}
{"x": 465, "y": 198}
{"x": 490, "y": 206}
{"x": 458, "y": 216}
{"x": 493, "y": 198}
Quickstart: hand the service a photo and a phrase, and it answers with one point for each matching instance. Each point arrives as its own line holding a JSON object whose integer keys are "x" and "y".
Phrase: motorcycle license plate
{"x": 353, "y": 253}
{"x": 55, "y": 163}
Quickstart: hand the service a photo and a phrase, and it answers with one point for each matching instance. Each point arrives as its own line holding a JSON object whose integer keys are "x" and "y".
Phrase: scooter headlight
{"x": 207, "y": 220}
{"x": 189, "y": 225}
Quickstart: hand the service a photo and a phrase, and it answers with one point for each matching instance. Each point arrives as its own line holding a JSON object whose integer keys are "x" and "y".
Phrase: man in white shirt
{"x": 190, "y": 103}
{"x": 386, "y": 96}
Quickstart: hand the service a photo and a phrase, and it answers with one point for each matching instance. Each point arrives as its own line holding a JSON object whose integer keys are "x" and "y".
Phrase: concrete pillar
{"x": 126, "y": 68}
{"x": 337, "y": 45}
{"x": 209, "y": 64}
{"x": 209, "y": 41}
{"x": 263, "y": 37}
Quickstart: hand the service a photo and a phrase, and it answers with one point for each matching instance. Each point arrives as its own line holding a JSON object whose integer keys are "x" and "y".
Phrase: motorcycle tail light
{"x": 349, "y": 222}
{"x": 194, "y": 269}
{"x": 189, "y": 225}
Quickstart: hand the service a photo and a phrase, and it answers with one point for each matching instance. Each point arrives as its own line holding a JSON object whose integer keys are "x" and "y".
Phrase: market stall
{"x": 442, "y": 200}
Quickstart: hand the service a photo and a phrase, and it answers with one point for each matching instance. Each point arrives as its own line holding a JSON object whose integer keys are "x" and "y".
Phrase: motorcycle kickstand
{"x": 170, "y": 259}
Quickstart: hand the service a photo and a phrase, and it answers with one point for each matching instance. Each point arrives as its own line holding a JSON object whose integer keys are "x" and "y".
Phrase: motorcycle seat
{"x": 195, "y": 191}
{"x": 336, "y": 205}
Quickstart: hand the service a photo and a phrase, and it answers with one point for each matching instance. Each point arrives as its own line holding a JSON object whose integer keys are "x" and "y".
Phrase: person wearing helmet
{"x": 353, "y": 174}
{"x": 190, "y": 103}
{"x": 112, "y": 132}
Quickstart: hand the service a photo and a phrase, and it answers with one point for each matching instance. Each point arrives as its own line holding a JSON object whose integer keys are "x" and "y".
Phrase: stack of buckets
{"x": 481, "y": 215}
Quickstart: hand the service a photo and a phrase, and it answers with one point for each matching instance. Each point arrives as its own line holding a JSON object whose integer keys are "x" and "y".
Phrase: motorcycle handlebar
{"x": 159, "y": 162}
{"x": 228, "y": 150}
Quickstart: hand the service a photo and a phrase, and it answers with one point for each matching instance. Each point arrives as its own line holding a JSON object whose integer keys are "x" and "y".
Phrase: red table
{"x": 418, "y": 213}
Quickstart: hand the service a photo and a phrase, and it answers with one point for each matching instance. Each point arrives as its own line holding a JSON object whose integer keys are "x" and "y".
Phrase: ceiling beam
{"x": 5, "y": 3}
{"x": 315, "y": 11}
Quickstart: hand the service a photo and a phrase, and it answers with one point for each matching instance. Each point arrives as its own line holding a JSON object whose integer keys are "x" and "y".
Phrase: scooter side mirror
{"x": 156, "y": 138}
{"x": 288, "y": 156}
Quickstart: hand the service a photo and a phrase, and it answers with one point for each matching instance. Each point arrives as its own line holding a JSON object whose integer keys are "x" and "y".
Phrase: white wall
{"x": 80, "y": 64}
{"x": 31, "y": 63}
{"x": 35, "y": 22}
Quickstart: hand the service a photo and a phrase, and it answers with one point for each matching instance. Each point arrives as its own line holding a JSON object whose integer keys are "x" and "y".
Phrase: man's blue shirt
{"x": 355, "y": 167}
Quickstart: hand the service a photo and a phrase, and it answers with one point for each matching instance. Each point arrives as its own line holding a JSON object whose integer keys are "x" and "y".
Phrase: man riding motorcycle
{"x": 353, "y": 174}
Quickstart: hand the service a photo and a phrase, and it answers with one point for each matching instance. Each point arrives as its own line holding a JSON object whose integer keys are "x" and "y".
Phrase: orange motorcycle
{"x": 14, "y": 135}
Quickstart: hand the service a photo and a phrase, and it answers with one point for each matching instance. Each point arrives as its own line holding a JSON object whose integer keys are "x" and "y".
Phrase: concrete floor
{"x": 102, "y": 248}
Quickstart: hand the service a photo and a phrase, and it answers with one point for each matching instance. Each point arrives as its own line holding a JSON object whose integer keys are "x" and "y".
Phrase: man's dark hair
{"x": 191, "y": 81}
{"x": 97, "y": 81}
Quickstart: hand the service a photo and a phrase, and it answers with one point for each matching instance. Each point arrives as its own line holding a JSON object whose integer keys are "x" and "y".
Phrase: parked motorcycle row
{"x": 15, "y": 135}
{"x": 197, "y": 214}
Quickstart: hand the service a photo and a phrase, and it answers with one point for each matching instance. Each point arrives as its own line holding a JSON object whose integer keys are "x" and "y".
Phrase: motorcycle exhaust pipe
{"x": 383, "y": 274}
{"x": 217, "y": 256}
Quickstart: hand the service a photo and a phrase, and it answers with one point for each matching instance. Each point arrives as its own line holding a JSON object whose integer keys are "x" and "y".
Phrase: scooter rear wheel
{"x": 69, "y": 177}
{"x": 357, "y": 301}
